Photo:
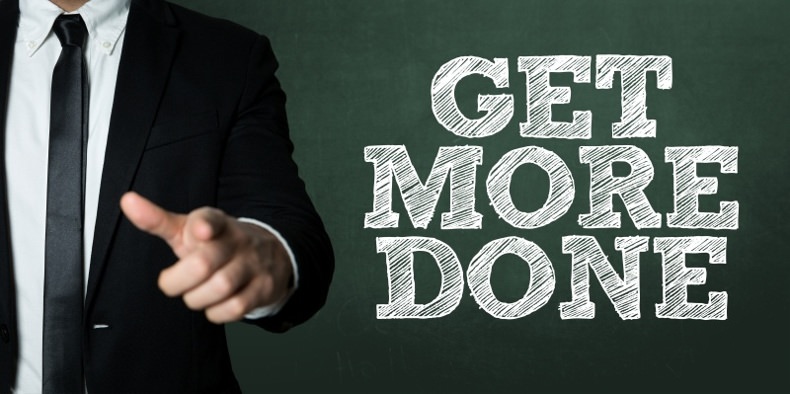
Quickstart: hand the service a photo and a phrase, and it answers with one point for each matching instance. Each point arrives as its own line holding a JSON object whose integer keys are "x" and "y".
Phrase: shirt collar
{"x": 104, "y": 19}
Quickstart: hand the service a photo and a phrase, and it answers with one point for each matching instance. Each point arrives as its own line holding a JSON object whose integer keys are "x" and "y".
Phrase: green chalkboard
{"x": 358, "y": 73}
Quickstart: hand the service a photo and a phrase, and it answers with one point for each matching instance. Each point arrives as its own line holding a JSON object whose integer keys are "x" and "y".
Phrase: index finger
{"x": 152, "y": 218}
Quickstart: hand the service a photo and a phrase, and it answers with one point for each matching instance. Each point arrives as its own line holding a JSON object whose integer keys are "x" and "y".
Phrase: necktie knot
{"x": 70, "y": 29}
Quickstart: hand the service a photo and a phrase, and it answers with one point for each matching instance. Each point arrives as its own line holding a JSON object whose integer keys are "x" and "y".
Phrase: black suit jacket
{"x": 198, "y": 119}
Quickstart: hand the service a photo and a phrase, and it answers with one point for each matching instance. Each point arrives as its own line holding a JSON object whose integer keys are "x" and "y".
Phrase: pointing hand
{"x": 225, "y": 267}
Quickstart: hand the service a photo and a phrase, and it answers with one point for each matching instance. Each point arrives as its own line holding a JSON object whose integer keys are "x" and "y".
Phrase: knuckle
{"x": 191, "y": 302}
{"x": 164, "y": 285}
{"x": 213, "y": 316}
{"x": 209, "y": 213}
{"x": 266, "y": 288}
{"x": 238, "y": 306}
{"x": 224, "y": 283}
{"x": 202, "y": 211}
{"x": 201, "y": 266}
{"x": 247, "y": 267}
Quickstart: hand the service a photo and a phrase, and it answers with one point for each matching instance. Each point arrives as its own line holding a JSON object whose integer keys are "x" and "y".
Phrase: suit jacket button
{"x": 4, "y": 333}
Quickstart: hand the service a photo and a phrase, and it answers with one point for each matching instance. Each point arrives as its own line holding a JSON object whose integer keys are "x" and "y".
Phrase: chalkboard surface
{"x": 358, "y": 73}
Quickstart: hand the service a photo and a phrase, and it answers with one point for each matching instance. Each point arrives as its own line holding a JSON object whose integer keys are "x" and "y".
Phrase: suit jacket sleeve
{"x": 259, "y": 179}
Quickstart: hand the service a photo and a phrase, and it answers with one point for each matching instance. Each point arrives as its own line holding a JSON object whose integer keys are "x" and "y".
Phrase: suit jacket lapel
{"x": 148, "y": 49}
{"x": 9, "y": 20}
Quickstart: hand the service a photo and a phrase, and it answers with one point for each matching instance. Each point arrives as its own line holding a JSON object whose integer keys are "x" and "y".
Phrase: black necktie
{"x": 63, "y": 274}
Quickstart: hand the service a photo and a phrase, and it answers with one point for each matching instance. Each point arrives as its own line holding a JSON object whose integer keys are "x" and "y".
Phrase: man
{"x": 184, "y": 110}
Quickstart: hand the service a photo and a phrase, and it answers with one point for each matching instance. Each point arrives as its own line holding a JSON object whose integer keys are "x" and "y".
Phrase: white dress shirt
{"x": 27, "y": 137}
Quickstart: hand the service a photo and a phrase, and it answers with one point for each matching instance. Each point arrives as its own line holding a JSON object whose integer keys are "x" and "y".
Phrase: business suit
{"x": 198, "y": 119}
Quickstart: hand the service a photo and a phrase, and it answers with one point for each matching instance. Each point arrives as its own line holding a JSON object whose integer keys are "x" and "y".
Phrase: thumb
{"x": 152, "y": 218}
{"x": 206, "y": 223}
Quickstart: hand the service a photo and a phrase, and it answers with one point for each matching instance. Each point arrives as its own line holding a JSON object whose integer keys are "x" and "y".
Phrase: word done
{"x": 586, "y": 256}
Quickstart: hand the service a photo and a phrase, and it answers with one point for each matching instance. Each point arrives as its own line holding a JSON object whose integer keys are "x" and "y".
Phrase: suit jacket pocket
{"x": 183, "y": 127}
